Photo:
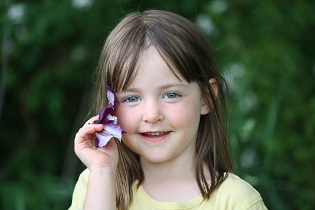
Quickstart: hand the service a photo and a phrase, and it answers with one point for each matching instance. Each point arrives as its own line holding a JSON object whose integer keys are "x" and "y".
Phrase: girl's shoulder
{"x": 235, "y": 192}
{"x": 236, "y": 182}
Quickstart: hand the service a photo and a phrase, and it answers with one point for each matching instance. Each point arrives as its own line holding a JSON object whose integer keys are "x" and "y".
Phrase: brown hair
{"x": 186, "y": 50}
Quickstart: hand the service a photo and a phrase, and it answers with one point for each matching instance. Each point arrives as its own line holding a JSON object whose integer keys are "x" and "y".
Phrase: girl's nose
{"x": 152, "y": 112}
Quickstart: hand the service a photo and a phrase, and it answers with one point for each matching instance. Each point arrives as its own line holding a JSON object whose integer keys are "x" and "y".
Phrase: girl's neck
{"x": 171, "y": 181}
{"x": 172, "y": 169}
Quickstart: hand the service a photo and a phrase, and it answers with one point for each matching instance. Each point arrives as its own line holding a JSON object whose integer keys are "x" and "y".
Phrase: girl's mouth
{"x": 154, "y": 134}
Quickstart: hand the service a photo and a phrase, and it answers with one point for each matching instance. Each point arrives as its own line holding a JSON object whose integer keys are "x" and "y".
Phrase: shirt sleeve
{"x": 235, "y": 193}
{"x": 259, "y": 205}
{"x": 79, "y": 192}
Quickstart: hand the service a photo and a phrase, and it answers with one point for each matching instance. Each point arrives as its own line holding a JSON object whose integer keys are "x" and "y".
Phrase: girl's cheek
{"x": 123, "y": 119}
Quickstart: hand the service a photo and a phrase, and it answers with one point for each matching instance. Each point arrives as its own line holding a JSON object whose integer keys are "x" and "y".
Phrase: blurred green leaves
{"x": 268, "y": 56}
{"x": 264, "y": 48}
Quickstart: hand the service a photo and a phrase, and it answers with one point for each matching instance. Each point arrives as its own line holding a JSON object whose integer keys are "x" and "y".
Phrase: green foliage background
{"x": 50, "y": 50}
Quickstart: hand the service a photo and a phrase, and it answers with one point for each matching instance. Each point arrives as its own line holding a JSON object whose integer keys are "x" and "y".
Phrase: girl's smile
{"x": 155, "y": 136}
{"x": 160, "y": 111}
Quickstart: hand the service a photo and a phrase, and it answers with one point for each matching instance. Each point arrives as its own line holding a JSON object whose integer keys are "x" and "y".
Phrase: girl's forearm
{"x": 101, "y": 190}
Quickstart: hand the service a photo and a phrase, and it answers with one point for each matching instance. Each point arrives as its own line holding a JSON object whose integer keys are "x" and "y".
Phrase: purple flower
{"x": 109, "y": 120}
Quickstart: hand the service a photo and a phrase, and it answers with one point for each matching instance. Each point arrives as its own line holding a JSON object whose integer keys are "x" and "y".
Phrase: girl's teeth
{"x": 154, "y": 134}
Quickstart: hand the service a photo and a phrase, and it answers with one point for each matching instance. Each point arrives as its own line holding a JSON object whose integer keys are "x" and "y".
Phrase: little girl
{"x": 169, "y": 98}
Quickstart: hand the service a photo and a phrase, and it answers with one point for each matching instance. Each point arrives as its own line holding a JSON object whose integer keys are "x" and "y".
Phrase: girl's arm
{"x": 102, "y": 163}
{"x": 101, "y": 192}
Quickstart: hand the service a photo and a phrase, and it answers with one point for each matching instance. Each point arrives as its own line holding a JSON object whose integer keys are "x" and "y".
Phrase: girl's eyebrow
{"x": 135, "y": 89}
{"x": 173, "y": 85}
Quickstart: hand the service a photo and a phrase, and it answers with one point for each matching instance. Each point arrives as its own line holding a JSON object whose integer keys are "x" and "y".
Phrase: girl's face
{"x": 160, "y": 112}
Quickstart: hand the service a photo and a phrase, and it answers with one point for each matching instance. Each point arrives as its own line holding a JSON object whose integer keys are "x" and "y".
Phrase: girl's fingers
{"x": 86, "y": 133}
{"x": 91, "y": 121}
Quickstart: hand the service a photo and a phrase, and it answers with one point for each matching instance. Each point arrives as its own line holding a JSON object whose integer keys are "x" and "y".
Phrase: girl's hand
{"x": 94, "y": 157}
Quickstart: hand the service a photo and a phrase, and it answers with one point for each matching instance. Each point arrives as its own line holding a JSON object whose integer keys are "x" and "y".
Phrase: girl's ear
{"x": 204, "y": 108}
{"x": 214, "y": 84}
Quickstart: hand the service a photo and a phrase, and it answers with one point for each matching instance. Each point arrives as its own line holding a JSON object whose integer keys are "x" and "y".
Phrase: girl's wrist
{"x": 103, "y": 170}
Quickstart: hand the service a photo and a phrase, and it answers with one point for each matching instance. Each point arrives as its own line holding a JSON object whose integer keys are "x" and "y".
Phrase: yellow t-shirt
{"x": 234, "y": 193}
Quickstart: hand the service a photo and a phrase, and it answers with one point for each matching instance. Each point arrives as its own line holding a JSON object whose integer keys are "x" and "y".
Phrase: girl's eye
{"x": 171, "y": 95}
{"x": 132, "y": 99}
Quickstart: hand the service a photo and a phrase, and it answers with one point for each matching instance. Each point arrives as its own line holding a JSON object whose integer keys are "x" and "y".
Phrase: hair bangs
{"x": 168, "y": 39}
{"x": 124, "y": 52}
{"x": 136, "y": 33}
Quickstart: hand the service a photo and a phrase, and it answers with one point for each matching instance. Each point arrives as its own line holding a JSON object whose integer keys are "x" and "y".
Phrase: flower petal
{"x": 109, "y": 109}
{"x": 107, "y": 118}
{"x": 115, "y": 130}
{"x": 110, "y": 96}
{"x": 103, "y": 115}
{"x": 103, "y": 138}
{"x": 110, "y": 130}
